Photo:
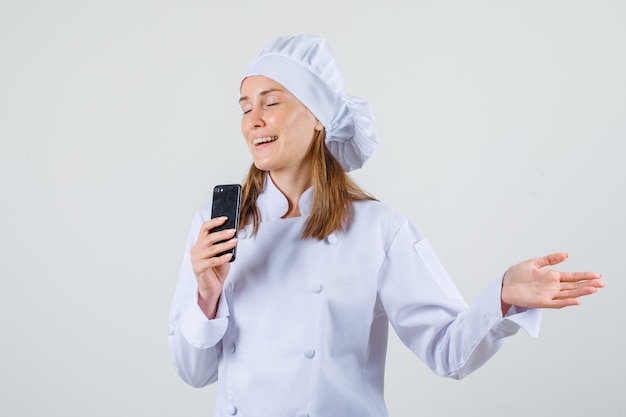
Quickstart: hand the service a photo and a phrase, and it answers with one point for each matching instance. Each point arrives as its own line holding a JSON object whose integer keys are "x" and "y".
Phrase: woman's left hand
{"x": 530, "y": 284}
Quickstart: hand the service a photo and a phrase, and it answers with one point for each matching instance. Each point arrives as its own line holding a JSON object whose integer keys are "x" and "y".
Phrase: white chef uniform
{"x": 301, "y": 329}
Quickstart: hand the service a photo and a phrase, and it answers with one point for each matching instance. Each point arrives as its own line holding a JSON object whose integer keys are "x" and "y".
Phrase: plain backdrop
{"x": 502, "y": 129}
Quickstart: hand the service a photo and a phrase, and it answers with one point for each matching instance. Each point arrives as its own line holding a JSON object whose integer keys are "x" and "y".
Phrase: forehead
{"x": 259, "y": 84}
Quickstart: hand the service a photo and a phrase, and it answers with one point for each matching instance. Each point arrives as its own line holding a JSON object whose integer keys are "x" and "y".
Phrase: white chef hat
{"x": 306, "y": 66}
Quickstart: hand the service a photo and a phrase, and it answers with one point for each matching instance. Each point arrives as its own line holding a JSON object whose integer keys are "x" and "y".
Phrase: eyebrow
{"x": 262, "y": 93}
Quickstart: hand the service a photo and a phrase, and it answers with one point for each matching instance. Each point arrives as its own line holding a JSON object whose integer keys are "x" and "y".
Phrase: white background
{"x": 502, "y": 128}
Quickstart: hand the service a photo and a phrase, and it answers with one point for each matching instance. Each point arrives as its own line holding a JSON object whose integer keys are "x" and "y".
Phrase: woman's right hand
{"x": 211, "y": 270}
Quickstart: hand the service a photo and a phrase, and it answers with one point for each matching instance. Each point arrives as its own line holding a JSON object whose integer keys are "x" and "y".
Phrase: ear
{"x": 318, "y": 126}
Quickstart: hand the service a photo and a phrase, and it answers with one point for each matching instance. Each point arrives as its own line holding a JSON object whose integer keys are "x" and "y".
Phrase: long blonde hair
{"x": 333, "y": 193}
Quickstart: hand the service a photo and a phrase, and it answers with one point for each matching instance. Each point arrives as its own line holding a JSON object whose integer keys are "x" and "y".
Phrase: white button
{"x": 242, "y": 234}
{"x": 332, "y": 239}
{"x": 316, "y": 288}
{"x": 232, "y": 410}
{"x": 309, "y": 353}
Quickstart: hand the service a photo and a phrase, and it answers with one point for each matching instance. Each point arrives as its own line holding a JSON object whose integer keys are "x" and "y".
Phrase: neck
{"x": 292, "y": 185}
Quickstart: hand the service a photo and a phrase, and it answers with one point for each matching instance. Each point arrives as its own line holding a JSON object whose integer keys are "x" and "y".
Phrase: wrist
{"x": 504, "y": 304}
{"x": 208, "y": 304}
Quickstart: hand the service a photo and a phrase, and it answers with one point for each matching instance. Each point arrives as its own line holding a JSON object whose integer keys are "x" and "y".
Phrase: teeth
{"x": 259, "y": 141}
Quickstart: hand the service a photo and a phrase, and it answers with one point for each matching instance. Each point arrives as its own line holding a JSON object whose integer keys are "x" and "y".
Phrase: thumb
{"x": 552, "y": 259}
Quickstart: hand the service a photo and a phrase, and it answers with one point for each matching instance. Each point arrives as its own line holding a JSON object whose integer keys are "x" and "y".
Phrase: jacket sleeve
{"x": 195, "y": 341}
{"x": 430, "y": 316}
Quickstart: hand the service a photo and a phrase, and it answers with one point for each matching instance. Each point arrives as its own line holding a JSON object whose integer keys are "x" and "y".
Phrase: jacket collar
{"x": 273, "y": 204}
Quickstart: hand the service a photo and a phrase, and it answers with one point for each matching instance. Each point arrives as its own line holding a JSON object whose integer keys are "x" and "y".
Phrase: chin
{"x": 262, "y": 166}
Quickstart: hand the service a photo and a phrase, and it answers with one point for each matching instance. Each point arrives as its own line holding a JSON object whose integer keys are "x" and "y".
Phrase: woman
{"x": 297, "y": 325}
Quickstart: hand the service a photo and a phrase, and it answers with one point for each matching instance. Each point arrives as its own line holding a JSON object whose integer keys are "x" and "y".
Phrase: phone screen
{"x": 226, "y": 202}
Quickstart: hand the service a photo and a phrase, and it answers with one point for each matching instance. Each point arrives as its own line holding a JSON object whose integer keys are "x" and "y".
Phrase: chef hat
{"x": 306, "y": 66}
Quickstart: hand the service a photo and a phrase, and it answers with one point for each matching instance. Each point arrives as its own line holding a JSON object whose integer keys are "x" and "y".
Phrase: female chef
{"x": 297, "y": 325}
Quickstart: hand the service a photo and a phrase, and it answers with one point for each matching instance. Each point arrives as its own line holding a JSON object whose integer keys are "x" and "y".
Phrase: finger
{"x": 211, "y": 264}
{"x": 563, "y": 303}
{"x": 568, "y": 286}
{"x": 202, "y": 265}
{"x": 207, "y": 239}
{"x": 211, "y": 224}
{"x": 579, "y": 276}
{"x": 209, "y": 258}
{"x": 210, "y": 251}
{"x": 214, "y": 261}
{"x": 576, "y": 293}
{"x": 221, "y": 236}
{"x": 222, "y": 247}
{"x": 552, "y": 259}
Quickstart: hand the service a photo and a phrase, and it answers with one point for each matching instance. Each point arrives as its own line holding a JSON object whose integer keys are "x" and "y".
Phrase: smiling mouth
{"x": 266, "y": 139}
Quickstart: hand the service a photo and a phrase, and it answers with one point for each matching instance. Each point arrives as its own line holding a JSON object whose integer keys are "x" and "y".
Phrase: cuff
{"x": 490, "y": 301}
{"x": 198, "y": 330}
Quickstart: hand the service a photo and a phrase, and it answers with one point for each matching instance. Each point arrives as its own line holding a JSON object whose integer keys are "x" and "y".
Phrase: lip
{"x": 264, "y": 140}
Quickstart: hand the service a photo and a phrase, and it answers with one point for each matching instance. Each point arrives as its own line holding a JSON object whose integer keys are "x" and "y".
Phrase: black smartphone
{"x": 227, "y": 202}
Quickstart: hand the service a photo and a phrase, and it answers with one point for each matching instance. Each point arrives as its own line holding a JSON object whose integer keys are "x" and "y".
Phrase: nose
{"x": 255, "y": 118}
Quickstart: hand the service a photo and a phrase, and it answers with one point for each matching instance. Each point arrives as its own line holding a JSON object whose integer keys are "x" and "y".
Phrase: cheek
{"x": 302, "y": 121}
